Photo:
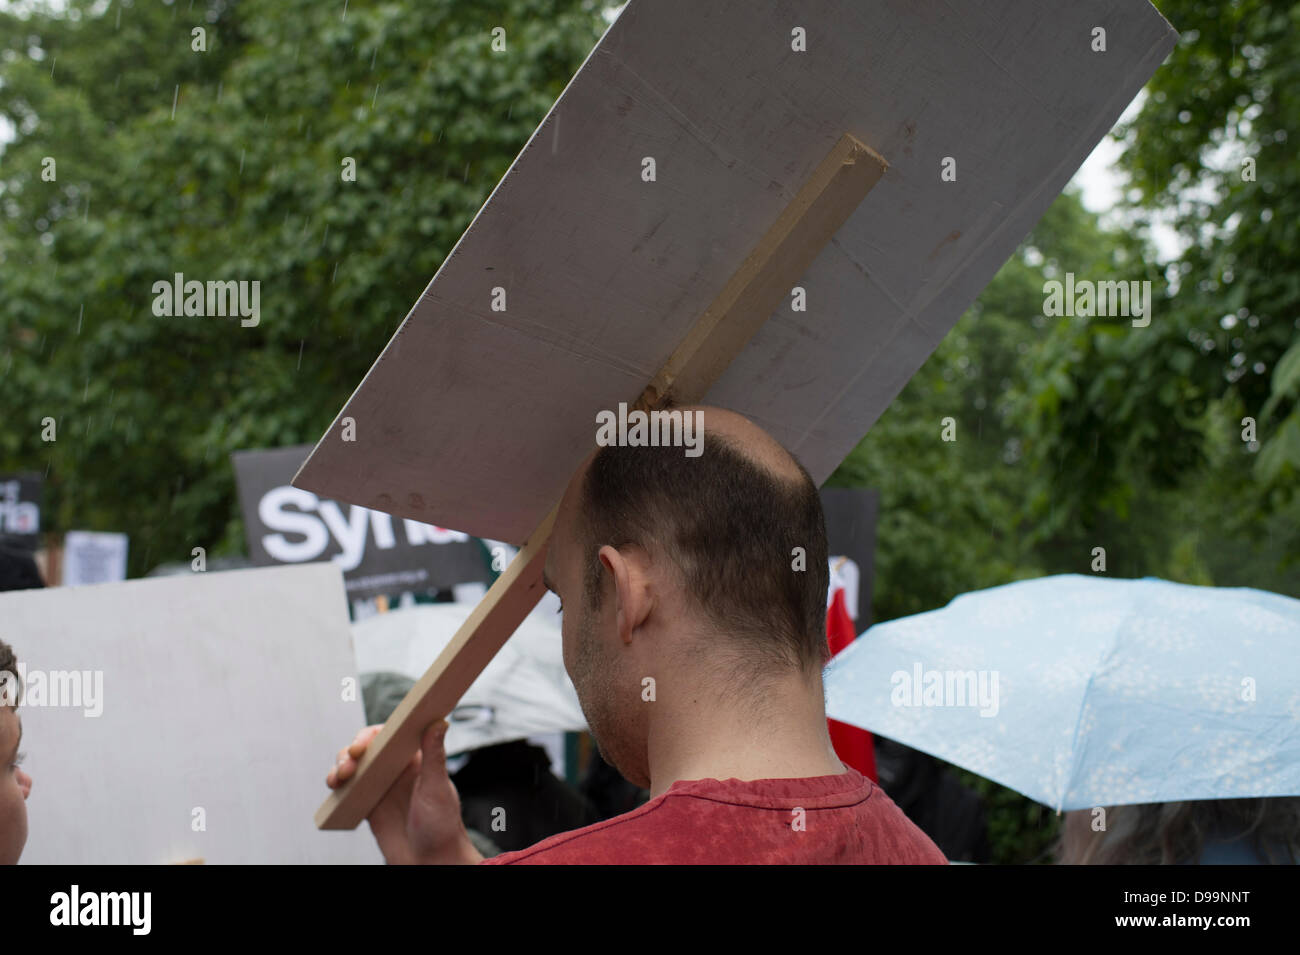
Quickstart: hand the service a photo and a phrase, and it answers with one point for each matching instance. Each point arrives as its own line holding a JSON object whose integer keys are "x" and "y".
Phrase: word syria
{"x": 179, "y": 297}
{"x": 351, "y": 533}
{"x": 639, "y": 429}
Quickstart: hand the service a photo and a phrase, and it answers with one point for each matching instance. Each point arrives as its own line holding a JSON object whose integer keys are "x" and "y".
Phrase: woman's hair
{"x": 1170, "y": 833}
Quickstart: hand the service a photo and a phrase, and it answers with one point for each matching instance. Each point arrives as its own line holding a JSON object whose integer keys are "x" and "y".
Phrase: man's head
{"x": 14, "y": 783}
{"x": 712, "y": 568}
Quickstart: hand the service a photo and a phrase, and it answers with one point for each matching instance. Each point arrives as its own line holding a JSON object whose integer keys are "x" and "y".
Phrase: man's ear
{"x": 632, "y": 599}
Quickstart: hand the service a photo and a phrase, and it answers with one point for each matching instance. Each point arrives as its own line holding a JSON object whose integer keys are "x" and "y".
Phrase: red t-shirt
{"x": 845, "y": 820}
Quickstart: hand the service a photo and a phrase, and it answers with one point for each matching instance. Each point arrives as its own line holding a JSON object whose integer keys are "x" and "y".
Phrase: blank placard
{"x": 679, "y": 142}
{"x": 222, "y": 703}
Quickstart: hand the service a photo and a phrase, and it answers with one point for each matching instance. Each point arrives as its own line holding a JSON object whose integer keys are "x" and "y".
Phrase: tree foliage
{"x": 228, "y": 164}
{"x": 1210, "y": 146}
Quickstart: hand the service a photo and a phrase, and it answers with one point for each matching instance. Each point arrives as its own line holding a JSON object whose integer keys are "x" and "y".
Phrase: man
{"x": 15, "y": 785}
{"x": 695, "y": 637}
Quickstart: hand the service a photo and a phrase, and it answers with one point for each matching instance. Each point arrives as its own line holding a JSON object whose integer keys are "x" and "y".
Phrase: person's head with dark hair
{"x": 15, "y": 785}
{"x": 731, "y": 523}
{"x": 18, "y": 570}
{"x": 694, "y": 595}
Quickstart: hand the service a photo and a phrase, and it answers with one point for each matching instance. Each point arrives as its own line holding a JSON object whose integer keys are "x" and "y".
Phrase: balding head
{"x": 703, "y": 564}
{"x": 752, "y": 442}
{"x": 740, "y": 525}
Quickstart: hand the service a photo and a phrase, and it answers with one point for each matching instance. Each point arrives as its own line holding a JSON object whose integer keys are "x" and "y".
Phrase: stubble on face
{"x": 596, "y": 678}
{"x": 591, "y": 646}
{"x": 591, "y": 679}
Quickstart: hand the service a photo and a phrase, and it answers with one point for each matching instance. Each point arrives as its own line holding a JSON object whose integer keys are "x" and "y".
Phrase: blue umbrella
{"x": 1088, "y": 691}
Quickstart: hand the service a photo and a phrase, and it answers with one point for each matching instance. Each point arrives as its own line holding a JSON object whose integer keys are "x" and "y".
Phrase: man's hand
{"x": 418, "y": 820}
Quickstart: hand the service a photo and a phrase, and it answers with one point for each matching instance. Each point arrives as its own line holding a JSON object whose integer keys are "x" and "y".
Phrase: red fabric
{"x": 852, "y": 743}
{"x": 846, "y": 820}
{"x": 839, "y": 625}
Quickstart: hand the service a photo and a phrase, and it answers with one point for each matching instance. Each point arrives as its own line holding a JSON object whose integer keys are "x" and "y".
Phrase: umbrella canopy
{"x": 1086, "y": 691}
{"x": 524, "y": 691}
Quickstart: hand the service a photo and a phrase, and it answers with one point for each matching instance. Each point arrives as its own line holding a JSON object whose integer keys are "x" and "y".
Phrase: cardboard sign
{"x": 683, "y": 137}
{"x": 377, "y": 554}
{"x": 187, "y": 717}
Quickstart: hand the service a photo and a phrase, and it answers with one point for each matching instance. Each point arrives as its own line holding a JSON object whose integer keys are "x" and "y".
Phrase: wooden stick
{"x": 496, "y": 617}
{"x": 837, "y": 186}
{"x": 835, "y": 189}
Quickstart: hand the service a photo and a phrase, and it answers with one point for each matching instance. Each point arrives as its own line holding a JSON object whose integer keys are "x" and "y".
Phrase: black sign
{"x": 20, "y": 509}
{"x": 379, "y": 554}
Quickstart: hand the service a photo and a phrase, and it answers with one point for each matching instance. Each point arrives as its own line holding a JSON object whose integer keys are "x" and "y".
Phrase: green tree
{"x": 1210, "y": 148}
{"x": 229, "y": 163}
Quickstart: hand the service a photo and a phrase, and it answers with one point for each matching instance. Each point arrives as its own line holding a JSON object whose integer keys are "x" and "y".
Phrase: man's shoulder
{"x": 837, "y": 819}
{"x": 612, "y": 841}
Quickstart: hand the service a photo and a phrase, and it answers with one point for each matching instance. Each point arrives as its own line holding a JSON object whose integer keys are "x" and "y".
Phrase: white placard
{"x": 221, "y": 701}
{"x": 90, "y": 557}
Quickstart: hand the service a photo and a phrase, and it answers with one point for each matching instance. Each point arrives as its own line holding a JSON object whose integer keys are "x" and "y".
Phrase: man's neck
{"x": 700, "y": 736}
